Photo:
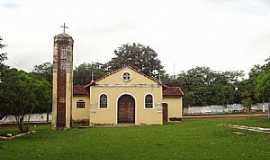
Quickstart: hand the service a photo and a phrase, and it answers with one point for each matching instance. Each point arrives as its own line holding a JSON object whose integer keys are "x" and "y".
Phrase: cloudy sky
{"x": 221, "y": 34}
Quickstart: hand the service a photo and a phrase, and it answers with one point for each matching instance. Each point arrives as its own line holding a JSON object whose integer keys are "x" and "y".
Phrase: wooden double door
{"x": 126, "y": 109}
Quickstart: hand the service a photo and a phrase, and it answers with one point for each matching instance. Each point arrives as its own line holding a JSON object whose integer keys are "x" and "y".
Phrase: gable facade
{"x": 126, "y": 96}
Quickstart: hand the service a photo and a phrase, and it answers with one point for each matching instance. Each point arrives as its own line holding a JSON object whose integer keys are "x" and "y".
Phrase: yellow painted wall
{"x": 80, "y": 113}
{"x": 174, "y": 106}
{"x": 114, "y": 86}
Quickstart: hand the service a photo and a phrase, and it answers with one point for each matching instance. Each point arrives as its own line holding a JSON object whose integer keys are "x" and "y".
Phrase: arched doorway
{"x": 126, "y": 109}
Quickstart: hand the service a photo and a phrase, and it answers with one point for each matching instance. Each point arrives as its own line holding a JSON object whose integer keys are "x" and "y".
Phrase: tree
{"x": 137, "y": 55}
{"x": 21, "y": 93}
{"x": 263, "y": 86}
{"x": 44, "y": 73}
{"x": 3, "y": 57}
{"x": 44, "y": 70}
{"x": 44, "y": 97}
{"x": 203, "y": 86}
{"x": 247, "y": 93}
{"x": 3, "y": 107}
{"x": 83, "y": 73}
{"x": 259, "y": 78}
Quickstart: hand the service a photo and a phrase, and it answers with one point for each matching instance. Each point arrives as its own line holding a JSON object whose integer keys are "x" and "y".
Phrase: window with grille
{"x": 149, "y": 101}
{"x": 103, "y": 101}
{"x": 80, "y": 104}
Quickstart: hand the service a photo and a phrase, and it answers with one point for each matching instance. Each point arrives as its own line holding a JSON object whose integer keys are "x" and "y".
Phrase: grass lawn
{"x": 191, "y": 139}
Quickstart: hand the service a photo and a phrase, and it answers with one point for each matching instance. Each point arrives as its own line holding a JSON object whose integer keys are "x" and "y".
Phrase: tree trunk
{"x": 20, "y": 124}
{"x": 47, "y": 117}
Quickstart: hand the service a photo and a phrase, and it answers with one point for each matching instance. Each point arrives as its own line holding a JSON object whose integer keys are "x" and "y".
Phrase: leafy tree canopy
{"x": 21, "y": 94}
{"x": 263, "y": 85}
{"x": 3, "y": 56}
{"x": 142, "y": 57}
{"x": 203, "y": 86}
{"x": 43, "y": 70}
{"x": 84, "y": 72}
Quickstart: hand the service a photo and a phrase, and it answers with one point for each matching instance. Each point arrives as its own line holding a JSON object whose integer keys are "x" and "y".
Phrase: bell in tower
{"x": 62, "y": 80}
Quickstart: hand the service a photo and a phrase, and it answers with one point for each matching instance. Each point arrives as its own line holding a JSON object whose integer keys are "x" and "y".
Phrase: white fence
{"x": 212, "y": 109}
{"x": 37, "y": 118}
{"x": 231, "y": 108}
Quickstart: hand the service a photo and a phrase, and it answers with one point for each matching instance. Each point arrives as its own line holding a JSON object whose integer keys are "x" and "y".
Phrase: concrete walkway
{"x": 254, "y": 129}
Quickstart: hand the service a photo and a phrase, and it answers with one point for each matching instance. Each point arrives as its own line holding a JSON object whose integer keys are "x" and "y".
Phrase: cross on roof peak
{"x": 64, "y": 27}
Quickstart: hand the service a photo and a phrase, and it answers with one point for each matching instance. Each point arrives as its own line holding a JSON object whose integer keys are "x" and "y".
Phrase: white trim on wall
{"x": 153, "y": 97}
{"x": 116, "y": 108}
{"x": 128, "y": 85}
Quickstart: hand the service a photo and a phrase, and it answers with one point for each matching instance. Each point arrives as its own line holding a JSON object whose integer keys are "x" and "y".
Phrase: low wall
{"x": 231, "y": 108}
{"x": 37, "y": 118}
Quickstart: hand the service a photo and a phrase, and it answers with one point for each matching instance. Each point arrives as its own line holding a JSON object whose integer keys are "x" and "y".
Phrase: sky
{"x": 221, "y": 34}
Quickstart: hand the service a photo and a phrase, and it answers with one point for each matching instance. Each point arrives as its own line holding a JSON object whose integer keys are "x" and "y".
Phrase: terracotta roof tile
{"x": 80, "y": 90}
{"x": 172, "y": 91}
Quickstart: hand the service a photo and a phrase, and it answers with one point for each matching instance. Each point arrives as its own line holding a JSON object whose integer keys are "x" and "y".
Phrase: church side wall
{"x": 109, "y": 115}
{"x": 174, "y": 106}
{"x": 80, "y": 113}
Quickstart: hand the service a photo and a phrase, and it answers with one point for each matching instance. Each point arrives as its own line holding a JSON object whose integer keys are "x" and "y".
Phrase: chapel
{"x": 125, "y": 96}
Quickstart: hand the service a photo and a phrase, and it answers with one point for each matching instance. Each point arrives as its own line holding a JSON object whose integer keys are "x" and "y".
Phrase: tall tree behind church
{"x": 142, "y": 57}
{"x": 83, "y": 73}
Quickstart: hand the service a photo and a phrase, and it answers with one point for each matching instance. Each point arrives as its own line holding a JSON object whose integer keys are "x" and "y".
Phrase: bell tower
{"x": 62, "y": 80}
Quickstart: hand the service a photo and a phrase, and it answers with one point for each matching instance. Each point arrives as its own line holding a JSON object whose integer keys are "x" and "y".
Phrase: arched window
{"x": 80, "y": 104}
{"x": 148, "y": 101}
{"x": 103, "y": 101}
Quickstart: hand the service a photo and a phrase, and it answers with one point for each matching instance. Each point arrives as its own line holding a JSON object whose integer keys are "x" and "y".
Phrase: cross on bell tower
{"x": 64, "y": 27}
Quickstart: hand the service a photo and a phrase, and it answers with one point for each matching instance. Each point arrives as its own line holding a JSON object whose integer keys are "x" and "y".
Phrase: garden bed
{"x": 13, "y": 135}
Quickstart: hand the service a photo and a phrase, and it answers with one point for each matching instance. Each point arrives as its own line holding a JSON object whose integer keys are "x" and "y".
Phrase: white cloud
{"x": 222, "y": 34}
